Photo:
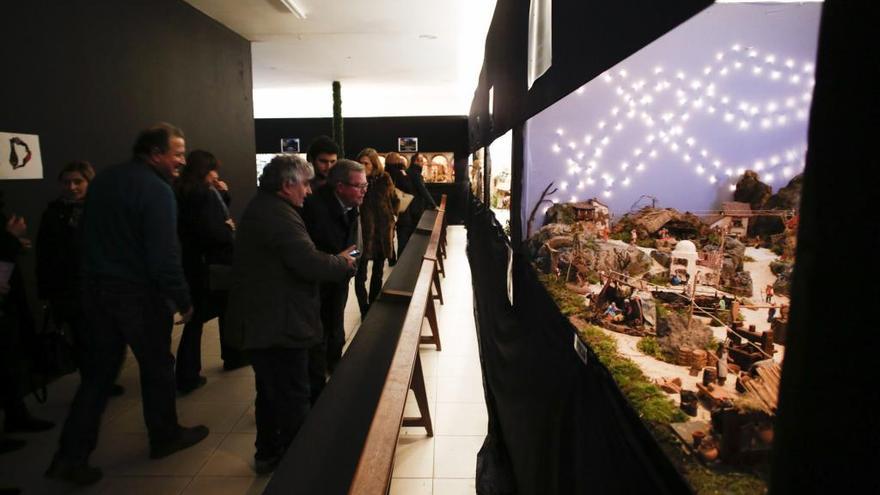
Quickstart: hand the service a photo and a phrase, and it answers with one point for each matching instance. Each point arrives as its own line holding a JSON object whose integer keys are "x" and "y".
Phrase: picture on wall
{"x": 290, "y": 145}
{"x": 20, "y": 156}
{"x": 407, "y": 144}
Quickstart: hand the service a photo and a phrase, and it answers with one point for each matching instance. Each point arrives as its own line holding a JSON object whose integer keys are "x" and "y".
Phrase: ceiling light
{"x": 293, "y": 7}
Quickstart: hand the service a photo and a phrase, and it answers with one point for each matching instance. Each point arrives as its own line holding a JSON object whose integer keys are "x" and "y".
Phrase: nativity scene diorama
{"x": 697, "y": 301}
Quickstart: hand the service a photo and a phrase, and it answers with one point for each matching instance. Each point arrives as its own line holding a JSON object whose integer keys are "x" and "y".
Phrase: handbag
{"x": 54, "y": 354}
{"x": 405, "y": 200}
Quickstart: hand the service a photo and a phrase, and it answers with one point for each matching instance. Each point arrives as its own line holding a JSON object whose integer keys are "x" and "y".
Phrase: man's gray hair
{"x": 283, "y": 169}
{"x": 341, "y": 172}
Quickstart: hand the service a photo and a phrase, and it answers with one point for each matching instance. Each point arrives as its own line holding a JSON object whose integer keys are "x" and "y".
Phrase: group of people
{"x": 118, "y": 254}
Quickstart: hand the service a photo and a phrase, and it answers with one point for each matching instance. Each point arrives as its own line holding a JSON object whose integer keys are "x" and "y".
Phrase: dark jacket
{"x": 274, "y": 300}
{"x": 331, "y": 228}
{"x": 130, "y": 231}
{"x": 377, "y": 217}
{"x": 402, "y": 181}
{"x": 205, "y": 237}
{"x": 422, "y": 198}
{"x": 59, "y": 250}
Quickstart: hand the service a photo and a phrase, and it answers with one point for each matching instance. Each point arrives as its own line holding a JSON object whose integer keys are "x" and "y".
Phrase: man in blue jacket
{"x": 133, "y": 284}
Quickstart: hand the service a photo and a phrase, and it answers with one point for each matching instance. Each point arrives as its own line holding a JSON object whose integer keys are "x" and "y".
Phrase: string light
{"x": 702, "y": 97}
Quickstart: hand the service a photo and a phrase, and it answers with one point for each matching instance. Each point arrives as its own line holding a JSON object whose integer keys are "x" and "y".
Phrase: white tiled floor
{"x": 222, "y": 464}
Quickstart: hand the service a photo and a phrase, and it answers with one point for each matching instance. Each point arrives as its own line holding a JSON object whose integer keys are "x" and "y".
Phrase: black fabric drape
{"x": 556, "y": 425}
{"x": 827, "y": 436}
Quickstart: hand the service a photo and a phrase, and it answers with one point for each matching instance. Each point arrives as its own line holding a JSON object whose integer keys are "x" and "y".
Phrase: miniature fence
{"x": 347, "y": 443}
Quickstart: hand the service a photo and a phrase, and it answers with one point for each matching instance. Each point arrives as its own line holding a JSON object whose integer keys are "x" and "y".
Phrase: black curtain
{"x": 556, "y": 425}
{"x": 828, "y": 431}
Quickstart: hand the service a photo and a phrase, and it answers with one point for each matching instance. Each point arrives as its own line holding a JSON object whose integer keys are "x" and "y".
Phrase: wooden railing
{"x": 347, "y": 443}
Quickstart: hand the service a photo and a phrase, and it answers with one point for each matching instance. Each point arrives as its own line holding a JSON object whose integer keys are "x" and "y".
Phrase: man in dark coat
{"x": 133, "y": 284}
{"x": 274, "y": 302}
{"x": 331, "y": 217}
{"x": 322, "y": 154}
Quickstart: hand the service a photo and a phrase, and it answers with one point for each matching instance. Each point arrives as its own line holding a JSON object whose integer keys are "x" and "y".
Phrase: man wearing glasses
{"x": 331, "y": 217}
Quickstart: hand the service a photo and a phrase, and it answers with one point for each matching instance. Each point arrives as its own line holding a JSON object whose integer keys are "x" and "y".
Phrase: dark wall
{"x": 588, "y": 38}
{"x": 443, "y": 133}
{"x": 87, "y": 75}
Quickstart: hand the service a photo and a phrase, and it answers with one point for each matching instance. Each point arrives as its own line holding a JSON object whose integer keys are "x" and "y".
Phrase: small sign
{"x": 408, "y": 144}
{"x": 580, "y": 348}
{"x": 20, "y": 156}
{"x": 290, "y": 145}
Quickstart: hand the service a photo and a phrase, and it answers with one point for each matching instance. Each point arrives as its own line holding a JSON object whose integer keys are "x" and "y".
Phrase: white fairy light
{"x": 794, "y": 79}
{"x": 808, "y": 67}
{"x": 607, "y": 194}
{"x": 712, "y": 179}
{"x": 770, "y": 59}
{"x": 622, "y": 73}
{"x": 574, "y": 199}
{"x": 650, "y": 139}
{"x": 723, "y": 71}
{"x": 658, "y": 70}
{"x": 775, "y": 75}
{"x": 615, "y": 110}
{"x": 605, "y": 140}
{"x": 740, "y": 171}
{"x": 572, "y": 145}
{"x": 588, "y": 139}
{"x": 700, "y": 170}
{"x": 743, "y": 125}
{"x": 607, "y": 77}
{"x": 591, "y": 181}
{"x": 736, "y": 47}
{"x": 782, "y": 120}
{"x": 625, "y": 182}
{"x": 686, "y": 158}
{"x": 789, "y": 63}
{"x": 757, "y": 70}
{"x": 716, "y": 163}
{"x": 728, "y": 117}
{"x": 640, "y": 167}
{"x": 753, "y": 53}
{"x": 563, "y": 185}
{"x": 601, "y": 124}
{"x": 560, "y": 131}
{"x": 765, "y": 123}
{"x": 719, "y": 56}
{"x": 624, "y": 165}
{"x": 652, "y": 154}
{"x": 704, "y": 153}
{"x": 690, "y": 141}
{"x": 556, "y": 148}
{"x": 768, "y": 177}
{"x": 580, "y": 90}
{"x": 580, "y": 155}
{"x": 618, "y": 127}
{"x": 732, "y": 187}
{"x": 637, "y": 152}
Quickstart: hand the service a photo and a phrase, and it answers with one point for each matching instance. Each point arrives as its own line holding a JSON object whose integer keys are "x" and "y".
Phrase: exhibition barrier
{"x": 557, "y": 424}
{"x": 347, "y": 442}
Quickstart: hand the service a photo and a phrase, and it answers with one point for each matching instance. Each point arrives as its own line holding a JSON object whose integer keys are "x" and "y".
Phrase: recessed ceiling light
{"x": 428, "y": 36}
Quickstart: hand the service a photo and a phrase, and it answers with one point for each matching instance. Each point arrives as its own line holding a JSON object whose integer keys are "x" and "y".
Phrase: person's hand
{"x": 185, "y": 317}
{"x": 231, "y": 223}
{"x": 16, "y": 226}
{"x": 352, "y": 261}
{"x": 221, "y": 186}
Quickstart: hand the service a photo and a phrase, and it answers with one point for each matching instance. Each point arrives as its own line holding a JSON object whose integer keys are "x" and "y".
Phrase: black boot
{"x": 78, "y": 473}
{"x": 185, "y": 439}
{"x": 11, "y": 444}
{"x": 20, "y": 420}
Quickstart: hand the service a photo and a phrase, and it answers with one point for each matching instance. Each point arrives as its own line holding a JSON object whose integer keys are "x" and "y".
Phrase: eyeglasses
{"x": 362, "y": 187}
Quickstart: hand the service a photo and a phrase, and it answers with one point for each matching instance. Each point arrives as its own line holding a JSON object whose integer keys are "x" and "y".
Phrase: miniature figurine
{"x": 634, "y": 236}
{"x": 612, "y": 312}
{"x": 769, "y": 293}
{"x": 771, "y": 314}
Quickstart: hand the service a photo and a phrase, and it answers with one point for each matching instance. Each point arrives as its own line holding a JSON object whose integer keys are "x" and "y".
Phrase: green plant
{"x": 338, "y": 135}
{"x": 660, "y": 278}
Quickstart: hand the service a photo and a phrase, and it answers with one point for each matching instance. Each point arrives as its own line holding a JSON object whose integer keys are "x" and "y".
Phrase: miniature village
{"x": 697, "y": 300}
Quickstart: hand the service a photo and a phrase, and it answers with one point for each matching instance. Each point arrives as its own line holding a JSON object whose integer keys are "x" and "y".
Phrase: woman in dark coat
{"x": 422, "y": 199}
{"x": 16, "y": 332}
{"x": 395, "y": 164}
{"x": 377, "y": 228}
{"x": 59, "y": 250}
{"x": 206, "y": 238}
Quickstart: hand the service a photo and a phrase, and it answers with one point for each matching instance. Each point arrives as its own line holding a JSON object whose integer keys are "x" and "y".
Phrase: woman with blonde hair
{"x": 377, "y": 227}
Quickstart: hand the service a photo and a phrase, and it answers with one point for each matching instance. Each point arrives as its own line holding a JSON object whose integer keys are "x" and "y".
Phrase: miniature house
{"x": 734, "y": 218}
{"x": 594, "y": 212}
{"x": 684, "y": 259}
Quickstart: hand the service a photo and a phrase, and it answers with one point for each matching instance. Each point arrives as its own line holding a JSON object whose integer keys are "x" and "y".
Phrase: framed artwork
{"x": 408, "y": 144}
{"x": 290, "y": 145}
{"x": 20, "y": 156}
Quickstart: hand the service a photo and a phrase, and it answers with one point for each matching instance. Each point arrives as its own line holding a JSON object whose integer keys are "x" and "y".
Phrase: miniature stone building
{"x": 734, "y": 218}
{"x": 684, "y": 259}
